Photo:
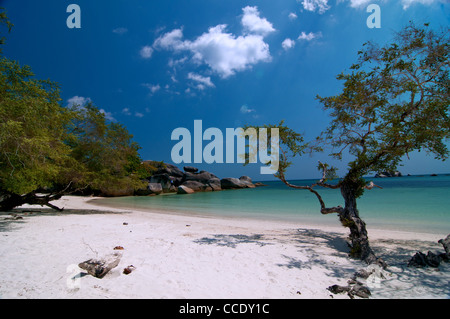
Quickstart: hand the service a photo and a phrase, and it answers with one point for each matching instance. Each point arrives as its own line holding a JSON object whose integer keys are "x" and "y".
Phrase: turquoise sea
{"x": 410, "y": 203}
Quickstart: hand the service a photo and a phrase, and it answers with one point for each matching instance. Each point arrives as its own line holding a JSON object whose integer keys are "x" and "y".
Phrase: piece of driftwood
{"x": 100, "y": 267}
{"x": 420, "y": 260}
{"x": 352, "y": 290}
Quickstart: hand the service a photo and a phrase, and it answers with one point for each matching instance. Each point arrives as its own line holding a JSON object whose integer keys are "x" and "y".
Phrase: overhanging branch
{"x": 323, "y": 209}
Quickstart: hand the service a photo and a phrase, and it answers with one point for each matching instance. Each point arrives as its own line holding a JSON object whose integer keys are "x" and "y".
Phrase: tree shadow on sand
{"x": 11, "y": 220}
{"x": 329, "y": 250}
{"x": 232, "y": 240}
{"x": 308, "y": 241}
{"x": 411, "y": 282}
{"x": 318, "y": 246}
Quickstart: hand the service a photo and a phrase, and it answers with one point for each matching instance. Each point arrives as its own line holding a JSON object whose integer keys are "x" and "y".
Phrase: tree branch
{"x": 371, "y": 186}
{"x": 323, "y": 209}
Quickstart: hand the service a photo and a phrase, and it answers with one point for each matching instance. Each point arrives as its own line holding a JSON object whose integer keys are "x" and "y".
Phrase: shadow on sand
{"x": 13, "y": 219}
{"x": 399, "y": 281}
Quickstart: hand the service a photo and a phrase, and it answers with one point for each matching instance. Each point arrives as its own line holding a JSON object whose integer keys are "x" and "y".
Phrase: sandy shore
{"x": 179, "y": 256}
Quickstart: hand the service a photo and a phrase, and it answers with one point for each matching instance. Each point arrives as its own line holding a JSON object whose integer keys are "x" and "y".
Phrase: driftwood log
{"x": 100, "y": 267}
{"x": 352, "y": 290}
{"x": 420, "y": 260}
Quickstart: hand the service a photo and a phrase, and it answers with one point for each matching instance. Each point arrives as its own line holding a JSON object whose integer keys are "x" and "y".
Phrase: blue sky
{"x": 158, "y": 65}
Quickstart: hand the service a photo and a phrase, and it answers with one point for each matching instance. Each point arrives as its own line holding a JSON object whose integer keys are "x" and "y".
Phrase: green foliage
{"x": 329, "y": 172}
{"x": 44, "y": 145}
{"x": 4, "y": 21}
{"x": 291, "y": 144}
{"x": 394, "y": 101}
{"x": 149, "y": 168}
{"x": 108, "y": 158}
{"x": 31, "y": 130}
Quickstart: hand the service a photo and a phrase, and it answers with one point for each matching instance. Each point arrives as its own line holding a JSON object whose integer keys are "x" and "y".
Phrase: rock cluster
{"x": 170, "y": 179}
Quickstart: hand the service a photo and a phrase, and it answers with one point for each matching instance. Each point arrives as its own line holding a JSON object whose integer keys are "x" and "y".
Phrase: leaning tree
{"x": 395, "y": 100}
{"x": 48, "y": 150}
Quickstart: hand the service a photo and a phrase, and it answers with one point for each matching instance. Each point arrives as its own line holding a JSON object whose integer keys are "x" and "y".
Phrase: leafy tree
{"x": 4, "y": 21}
{"x": 32, "y": 131}
{"x": 46, "y": 147}
{"x": 110, "y": 163}
{"x": 394, "y": 101}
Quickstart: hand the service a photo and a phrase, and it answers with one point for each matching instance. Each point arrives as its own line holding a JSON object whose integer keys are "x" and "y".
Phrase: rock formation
{"x": 185, "y": 190}
{"x": 388, "y": 174}
{"x": 151, "y": 189}
{"x": 170, "y": 179}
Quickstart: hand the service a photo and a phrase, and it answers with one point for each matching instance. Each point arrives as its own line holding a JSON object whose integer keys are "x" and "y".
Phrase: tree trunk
{"x": 349, "y": 217}
{"x": 8, "y": 201}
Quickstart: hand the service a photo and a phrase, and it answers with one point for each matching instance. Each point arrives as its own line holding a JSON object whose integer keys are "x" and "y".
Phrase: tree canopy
{"x": 108, "y": 158}
{"x": 395, "y": 100}
{"x": 45, "y": 146}
{"x": 32, "y": 130}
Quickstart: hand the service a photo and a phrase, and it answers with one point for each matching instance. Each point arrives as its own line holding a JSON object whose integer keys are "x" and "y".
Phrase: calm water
{"x": 413, "y": 203}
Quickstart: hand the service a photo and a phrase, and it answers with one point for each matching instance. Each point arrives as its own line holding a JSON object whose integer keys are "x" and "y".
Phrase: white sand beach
{"x": 179, "y": 256}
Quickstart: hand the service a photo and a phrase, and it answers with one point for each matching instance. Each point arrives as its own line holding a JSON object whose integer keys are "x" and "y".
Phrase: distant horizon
{"x": 242, "y": 173}
{"x": 367, "y": 177}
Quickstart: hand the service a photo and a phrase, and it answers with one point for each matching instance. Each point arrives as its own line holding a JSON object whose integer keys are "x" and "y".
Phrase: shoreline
{"x": 334, "y": 225}
{"x": 181, "y": 256}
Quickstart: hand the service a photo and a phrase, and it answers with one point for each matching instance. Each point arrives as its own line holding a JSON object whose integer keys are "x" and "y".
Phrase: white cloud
{"x": 223, "y": 52}
{"x": 120, "y": 31}
{"x": 170, "y": 40}
{"x": 226, "y": 53}
{"x": 146, "y": 52}
{"x": 359, "y": 4}
{"x": 316, "y": 5}
{"x": 253, "y": 23}
{"x": 322, "y": 5}
{"x": 309, "y": 36}
{"x": 174, "y": 63}
{"x": 79, "y": 101}
{"x": 202, "y": 81}
{"x": 246, "y": 110}
{"x": 108, "y": 115}
{"x": 292, "y": 16}
{"x": 128, "y": 112}
{"x": 152, "y": 87}
{"x": 288, "y": 44}
{"x": 408, "y": 3}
